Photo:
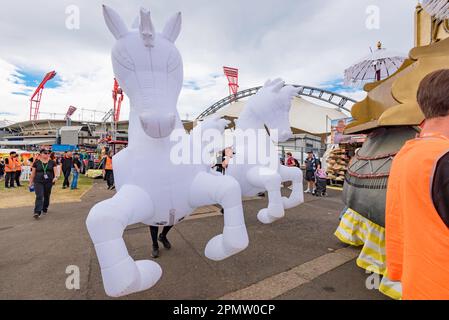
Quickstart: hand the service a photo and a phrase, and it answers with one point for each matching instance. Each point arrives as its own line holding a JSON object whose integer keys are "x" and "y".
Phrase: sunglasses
{"x": 45, "y": 152}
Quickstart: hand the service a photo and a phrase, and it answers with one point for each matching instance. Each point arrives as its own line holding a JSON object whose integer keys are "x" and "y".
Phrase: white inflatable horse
{"x": 260, "y": 170}
{"x": 150, "y": 188}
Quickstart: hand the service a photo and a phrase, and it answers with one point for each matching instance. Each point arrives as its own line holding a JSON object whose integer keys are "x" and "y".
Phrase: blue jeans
{"x": 75, "y": 179}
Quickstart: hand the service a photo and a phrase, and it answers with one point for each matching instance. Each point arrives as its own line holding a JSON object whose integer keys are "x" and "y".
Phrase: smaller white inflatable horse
{"x": 151, "y": 188}
{"x": 260, "y": 169}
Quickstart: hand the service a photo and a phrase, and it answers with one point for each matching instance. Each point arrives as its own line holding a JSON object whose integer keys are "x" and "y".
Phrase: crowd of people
{"x": 11, "y": 169}
{"x": 46, "y": 168}
{"x": 315, "y": 175}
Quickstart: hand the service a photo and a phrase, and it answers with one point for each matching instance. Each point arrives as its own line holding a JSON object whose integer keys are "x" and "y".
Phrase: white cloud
{"x": 306, "y": 42}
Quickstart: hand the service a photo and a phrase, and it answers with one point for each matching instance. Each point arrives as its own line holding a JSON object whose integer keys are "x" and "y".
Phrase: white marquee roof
{"x": 304, "y": 115}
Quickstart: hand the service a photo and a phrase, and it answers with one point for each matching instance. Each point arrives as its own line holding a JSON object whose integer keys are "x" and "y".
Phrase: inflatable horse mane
{"x": 150, "y": 188}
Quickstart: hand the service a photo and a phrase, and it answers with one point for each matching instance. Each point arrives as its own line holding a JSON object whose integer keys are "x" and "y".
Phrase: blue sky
{"x": 336, "y": 85}
{"x": 31, "y": 79}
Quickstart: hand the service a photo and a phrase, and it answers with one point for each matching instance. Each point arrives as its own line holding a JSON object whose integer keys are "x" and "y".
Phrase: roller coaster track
{"x": 332, "y": 98}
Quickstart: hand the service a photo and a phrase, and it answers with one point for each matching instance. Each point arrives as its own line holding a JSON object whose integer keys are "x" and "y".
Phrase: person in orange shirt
{"x": 10, "y": 170}
{"x": 108, "y": 172}
{"x": 18, "y": 173}
{"x": 417, "y": 209}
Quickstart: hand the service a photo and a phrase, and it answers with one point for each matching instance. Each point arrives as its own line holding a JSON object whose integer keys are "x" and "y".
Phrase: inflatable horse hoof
{"x": 291, "y": 203}
{"x": 232, "y": 241}
{"x": 271, "y": 214}
{"x": 150, "y": 273}
{"x": 129, "y": 277}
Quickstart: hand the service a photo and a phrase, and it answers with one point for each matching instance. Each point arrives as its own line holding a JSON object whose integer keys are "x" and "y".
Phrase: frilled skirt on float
{"x": 356, "y": 230}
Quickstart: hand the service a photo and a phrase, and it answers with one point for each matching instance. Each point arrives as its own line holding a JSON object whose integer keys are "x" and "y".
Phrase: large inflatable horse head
{"x": 148, "y": 67}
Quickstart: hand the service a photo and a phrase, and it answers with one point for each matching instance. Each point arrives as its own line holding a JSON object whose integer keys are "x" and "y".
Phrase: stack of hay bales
{"x": 337, "y": 165}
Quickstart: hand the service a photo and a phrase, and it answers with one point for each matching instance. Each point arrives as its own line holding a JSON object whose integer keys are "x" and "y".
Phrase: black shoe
{"x": 45, "y": 211}
{"x": 109, "y": 187}
{"x": 113, "y": 188}
{"x": 164, "y": 241}
{"x": 36, "y": 215}
{"x": 155, "y": 252}
{"x": 64, "y": 187}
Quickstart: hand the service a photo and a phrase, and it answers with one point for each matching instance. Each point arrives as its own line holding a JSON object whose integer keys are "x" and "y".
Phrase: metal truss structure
{"x": 335, "y": 99}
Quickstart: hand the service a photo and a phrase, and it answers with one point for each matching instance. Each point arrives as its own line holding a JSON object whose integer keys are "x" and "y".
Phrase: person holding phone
{"x": 43, "y": 176}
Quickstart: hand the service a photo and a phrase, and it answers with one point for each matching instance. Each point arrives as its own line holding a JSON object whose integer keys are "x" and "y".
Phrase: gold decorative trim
{"x": 446, "y": 25}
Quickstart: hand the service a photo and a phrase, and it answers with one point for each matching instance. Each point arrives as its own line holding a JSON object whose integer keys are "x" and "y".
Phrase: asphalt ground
{"x": 297, "y": 257}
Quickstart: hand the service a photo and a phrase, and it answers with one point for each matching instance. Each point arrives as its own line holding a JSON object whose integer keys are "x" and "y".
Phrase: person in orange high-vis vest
{"x": 108, "y": 171}
{"x": 417, "y": 210}
{"x": 10, "y": 170}
{"x": 18, "y": 170}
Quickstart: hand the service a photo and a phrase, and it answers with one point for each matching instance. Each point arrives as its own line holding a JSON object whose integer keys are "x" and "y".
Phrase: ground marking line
{"x": 278, "y": 284}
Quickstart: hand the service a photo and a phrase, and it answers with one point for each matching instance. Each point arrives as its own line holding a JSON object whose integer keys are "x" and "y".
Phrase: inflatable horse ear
{"x": 172, "y": 28}
{"x": 114, "y": 22}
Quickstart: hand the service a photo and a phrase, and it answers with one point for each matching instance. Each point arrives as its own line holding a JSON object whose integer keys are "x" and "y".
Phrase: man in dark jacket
{"x": 66, "y": 164}
{"x": 311, "y": 164}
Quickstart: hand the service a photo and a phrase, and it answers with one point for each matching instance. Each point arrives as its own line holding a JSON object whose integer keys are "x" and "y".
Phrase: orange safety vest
{"x": 18, "y": 164}
{"x": 11, "y": 165}
{"x": 417, "y": 239}
{"x": 108, "y": 165}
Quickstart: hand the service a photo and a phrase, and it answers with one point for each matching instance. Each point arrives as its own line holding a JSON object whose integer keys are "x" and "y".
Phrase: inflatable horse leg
{"x": 210, "y": 189}
{"x": 270, "y": 180}
{"x": 106, "y": 222}
{"x": 294, "y": 175}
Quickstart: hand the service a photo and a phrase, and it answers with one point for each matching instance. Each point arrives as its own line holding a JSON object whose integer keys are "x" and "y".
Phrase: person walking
{"x": 18, "y": 172}
{"x": 43, "y": 176}
{"x": 76, "y": 169}
{"x": 57, "y": 161}
{"x": 66, "y": 166}
{"x": 219, "y": 162}
{"x": 108, "y": 171}
{"x": 311, "y": 163}
{"x": 417, "y": 205}
{"x": 162, "y": 238}
{"x": 10, "y": 170}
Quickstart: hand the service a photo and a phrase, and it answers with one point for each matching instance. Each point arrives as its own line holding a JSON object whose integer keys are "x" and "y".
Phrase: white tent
{"x": 305, "y": 116}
